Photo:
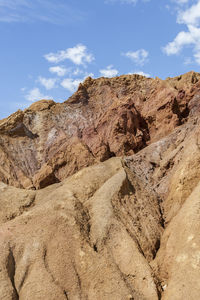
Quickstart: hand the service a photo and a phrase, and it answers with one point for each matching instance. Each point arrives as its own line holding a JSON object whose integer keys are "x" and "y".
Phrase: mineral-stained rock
{"x": 88, "y": 225}
{"x": 106, "y": 117}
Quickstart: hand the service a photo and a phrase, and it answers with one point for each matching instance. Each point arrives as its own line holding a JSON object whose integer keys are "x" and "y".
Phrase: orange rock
{"x": 104, "y": 118}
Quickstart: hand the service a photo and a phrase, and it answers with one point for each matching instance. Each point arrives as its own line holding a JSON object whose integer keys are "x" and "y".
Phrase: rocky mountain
{"x": 100, "y": 194}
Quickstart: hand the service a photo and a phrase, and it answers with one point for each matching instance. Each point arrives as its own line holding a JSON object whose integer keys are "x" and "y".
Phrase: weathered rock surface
{"x": 124, "y": 227}
{"x": 104, "y": 118}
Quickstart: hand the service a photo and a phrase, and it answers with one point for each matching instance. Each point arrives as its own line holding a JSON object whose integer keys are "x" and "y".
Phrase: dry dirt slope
{"x": 125, "y": 227}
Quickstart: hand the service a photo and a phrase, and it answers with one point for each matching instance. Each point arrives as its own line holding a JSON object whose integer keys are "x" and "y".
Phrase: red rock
{"x": 104, "y": 118}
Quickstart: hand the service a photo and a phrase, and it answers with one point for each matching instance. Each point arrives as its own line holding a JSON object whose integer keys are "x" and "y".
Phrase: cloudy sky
{"x": 47, "y": 47}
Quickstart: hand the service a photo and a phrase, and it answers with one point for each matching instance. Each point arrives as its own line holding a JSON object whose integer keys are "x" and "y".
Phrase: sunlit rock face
{"x": 99, "y": 195}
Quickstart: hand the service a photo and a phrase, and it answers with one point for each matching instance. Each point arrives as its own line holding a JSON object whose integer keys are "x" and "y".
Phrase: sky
{"x": 47, "y": 47}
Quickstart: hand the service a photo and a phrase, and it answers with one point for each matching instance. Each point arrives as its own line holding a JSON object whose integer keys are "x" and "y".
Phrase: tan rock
{"x": 74, "y": 243}
{"x": 97, "y": 226}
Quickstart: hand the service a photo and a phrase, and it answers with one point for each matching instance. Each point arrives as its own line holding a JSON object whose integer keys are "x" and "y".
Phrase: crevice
{"x": 107, "y": 153}
{"x": 185, "y": 112}
{"x": 49, "y": 180}
{"x": 11, "y": 273}
{"x": 162, "y": 219}
{"x": 47, "y": 268}
{"x": 20, "y": 130}
{"x": 95, "y": 248}
{"x": 157, "y": 284}
{"x": 65, "y": 293}
{"x": 29, "y": 205}
{"x": 82, "y": 220}
{"x": 182, "y": 115}
{"x": 24, "y": 278}
{"x": 78, "y": 278}
{"x": 110, "y": 153}
{"x": 157, "y": 247}
{"x": 125, "y": 278}
{"x": 88, "y": 148}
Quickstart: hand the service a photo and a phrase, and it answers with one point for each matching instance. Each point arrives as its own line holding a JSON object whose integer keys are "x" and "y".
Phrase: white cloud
{"x": 49, "y": 11}
{"x": 122, "y": 1}
{"x": 180, "y": 2}
{"x": 71, "y": 84}
{"x": 182, "y": 39}
{"x": 79, "y": 55}
{"x": 109, "y": 72}
{"x": 191, "y": 18}
{"x": 88, "y": 75}
{"x": 23, "y": 89}
{"x": 197, "y": 56}
{"x": 129, "y": 1}
{"x": 188, "y": 61}
{"x": 60, "y": 71}
{"x": 48, "y": 83}
{"x": 141, "y": 73}
{"x": 125, "y": 1}
{"x": 35, "y": 95}
{"x": 139, "y": 57}
{"x": 77, "y": 71}
{"x": 17, "y": 105}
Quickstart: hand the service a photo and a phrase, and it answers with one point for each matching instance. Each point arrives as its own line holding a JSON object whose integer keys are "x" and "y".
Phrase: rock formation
{"x": 100, "y": 194}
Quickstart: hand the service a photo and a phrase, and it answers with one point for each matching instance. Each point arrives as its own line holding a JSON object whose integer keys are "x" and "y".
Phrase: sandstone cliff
{"x": 100, "y": 194}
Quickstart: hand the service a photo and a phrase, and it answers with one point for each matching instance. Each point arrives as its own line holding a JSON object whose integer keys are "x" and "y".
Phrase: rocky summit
{"x": 100, "y": 195}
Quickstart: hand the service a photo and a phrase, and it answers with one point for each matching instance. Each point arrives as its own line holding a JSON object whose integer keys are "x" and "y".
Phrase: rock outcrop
{"x": 105, "y": 118}
{"x": 100, "y": 194}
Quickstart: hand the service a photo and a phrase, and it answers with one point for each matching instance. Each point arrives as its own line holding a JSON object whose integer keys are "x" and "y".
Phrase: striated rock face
{"x": 126, "y": 226}
{"x": 104, "y": 118}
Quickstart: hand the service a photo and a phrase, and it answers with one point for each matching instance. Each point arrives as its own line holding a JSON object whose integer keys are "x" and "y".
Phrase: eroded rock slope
{"x": 126, "y": 226}
{"x": 105, "y": 118}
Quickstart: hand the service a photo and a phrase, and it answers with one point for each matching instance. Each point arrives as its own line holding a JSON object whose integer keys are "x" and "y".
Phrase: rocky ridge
{"x": 100, "y": 194}
{"x": 104, "y": 118}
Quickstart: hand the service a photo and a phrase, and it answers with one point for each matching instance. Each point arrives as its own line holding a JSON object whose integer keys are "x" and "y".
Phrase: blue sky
{"x": 48, "y": 46}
